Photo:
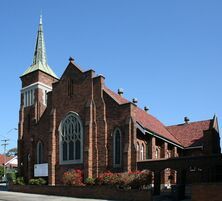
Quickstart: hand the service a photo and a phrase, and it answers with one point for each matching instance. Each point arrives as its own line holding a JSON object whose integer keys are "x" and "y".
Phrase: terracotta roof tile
{"x": 146, "y": 120}
{"x": 119, "y": 99}
{"x": 152, "y": 124}
{"x": 2, "y": 159}
{"x": 190, "y": 134}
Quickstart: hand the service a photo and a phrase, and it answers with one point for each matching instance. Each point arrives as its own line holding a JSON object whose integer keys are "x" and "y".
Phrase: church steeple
{"x": 40, "y": 52}
{"x": 40, "y": 60}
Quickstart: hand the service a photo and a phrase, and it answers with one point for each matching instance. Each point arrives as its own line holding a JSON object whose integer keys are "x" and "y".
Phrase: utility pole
{"x": 5, "y": 144}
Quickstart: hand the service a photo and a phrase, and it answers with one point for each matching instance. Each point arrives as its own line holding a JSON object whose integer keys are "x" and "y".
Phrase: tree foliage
{"x": 1, "y": 171}
{"x": 12, "y": 152}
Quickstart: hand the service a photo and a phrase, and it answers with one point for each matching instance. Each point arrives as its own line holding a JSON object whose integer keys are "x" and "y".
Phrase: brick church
{"x": 76, "y": 121}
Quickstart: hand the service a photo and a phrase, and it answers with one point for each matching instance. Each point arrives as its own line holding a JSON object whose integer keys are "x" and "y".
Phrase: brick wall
{"x": 207, "y": 192}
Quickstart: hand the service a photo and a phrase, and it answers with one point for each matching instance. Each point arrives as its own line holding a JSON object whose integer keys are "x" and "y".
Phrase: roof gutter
{"x": 196, "y": 147}
{"x": 144, "y": 131}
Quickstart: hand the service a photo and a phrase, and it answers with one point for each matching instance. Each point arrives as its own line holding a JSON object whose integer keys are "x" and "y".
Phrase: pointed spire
{"x": 40, "y": 20}
{"x": 40, "y": 52}
{"x": 40, "y": 60}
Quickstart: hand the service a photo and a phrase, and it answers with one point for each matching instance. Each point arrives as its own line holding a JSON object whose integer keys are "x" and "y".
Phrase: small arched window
{"x": 157, "y": 153}
{"x": 117, "y": 148}
{"x": 137, "y": 150}
{"x": 40, "y": 151}
{"x": 168, "y": 154}
{"x": 71, "y": 139}
{"x": 142, "y": 152}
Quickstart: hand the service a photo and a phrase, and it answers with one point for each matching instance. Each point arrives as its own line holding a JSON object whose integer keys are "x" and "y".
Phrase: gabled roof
{"x": 2, "y": 159}
{"x": 190, "y": 134}
{"x": 152, "y": 124}
{"x": 147, "y": 121}
{"x": 12, "y": 162}
{"x": 40, "y": 60}
{"x": 119, "y": 99}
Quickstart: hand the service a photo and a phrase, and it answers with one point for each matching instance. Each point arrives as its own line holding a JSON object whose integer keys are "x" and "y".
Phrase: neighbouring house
{"x": 76, "y": 121}
{"x": 11, "y": 162}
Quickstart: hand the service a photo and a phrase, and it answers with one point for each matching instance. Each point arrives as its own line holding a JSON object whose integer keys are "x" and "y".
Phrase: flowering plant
{"x": 108, "y": 178}
{"x": 136, "y": 179}
{"x": 73, "y": 177}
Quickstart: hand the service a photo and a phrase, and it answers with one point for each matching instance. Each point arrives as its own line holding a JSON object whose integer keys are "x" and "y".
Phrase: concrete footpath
{"x": 14, "y": 196}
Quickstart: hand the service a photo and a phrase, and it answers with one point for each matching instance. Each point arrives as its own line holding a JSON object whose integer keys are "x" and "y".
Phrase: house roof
{"x": 190, "y": 134}
{"x": 2, "y": 159}
{"x": 146, "y": 120}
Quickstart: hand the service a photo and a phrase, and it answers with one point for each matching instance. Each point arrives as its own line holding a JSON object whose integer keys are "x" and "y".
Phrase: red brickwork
{"x": 101, "y": 111}
{"x": 207, "y": 192}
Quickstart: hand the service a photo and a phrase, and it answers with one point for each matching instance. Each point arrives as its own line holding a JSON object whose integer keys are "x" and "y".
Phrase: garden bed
{"x": 96, "y": 192}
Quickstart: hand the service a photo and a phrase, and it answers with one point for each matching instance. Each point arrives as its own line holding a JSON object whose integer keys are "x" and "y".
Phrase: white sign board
{"x": 41, "y": 170}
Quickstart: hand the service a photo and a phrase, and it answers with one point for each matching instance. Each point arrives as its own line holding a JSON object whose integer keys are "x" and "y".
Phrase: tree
{"x": 1, "y": 172}
{"x": 12, "y": 152}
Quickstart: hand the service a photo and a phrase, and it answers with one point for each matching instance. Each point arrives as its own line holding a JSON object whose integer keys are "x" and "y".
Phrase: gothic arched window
{"x": 142, "y": 152}
{"x": 117, "y": 148}
{"x": 157, "y": 153}
{"x": 40, "y": 151}
{"x": 71, "y": 139}
{"x": 137, "y": 151}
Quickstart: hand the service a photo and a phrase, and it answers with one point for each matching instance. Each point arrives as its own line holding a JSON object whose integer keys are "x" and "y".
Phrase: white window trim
{"x": 114, "y": 148}
{"x": 28, "y": 93}
{"x": 61, "y": 162}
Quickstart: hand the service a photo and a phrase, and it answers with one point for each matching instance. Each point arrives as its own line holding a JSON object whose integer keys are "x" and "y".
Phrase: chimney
{"x": 135, "y": 101}
{"x": 146, "y": 109}
{"x": 120, "y": 91}
{"x": 186, "y": 120}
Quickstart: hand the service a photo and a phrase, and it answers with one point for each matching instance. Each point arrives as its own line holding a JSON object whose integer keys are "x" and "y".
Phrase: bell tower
{"x": 36, "y": 83}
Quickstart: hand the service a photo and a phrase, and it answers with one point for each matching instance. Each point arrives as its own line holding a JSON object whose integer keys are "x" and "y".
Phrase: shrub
{"x": 90, "y": 181}
{"x": 73, "y": 177}
{"x": 20, "y": 181}
{"x": 139, "y": 179}
{"x": 11, "y": 177}
{"x": 39, "y": 181}
{"x": 134, "y": 180}
{"x": 108, "y": 178}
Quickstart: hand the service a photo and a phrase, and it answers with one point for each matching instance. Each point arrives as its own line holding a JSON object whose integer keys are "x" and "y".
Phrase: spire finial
{"x": 40, "y": 20}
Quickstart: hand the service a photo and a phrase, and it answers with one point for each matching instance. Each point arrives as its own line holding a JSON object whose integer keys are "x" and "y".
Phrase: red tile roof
{"x": 152, "y": 124}
{"x": 146, "y": 120}
{"x": 190, "y": 134}
{"x": 119, "y": 99}
{"x": 2, "y": 159}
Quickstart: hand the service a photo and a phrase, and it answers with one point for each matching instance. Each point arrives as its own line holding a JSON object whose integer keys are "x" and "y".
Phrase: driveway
{"x": 14, "y": 196}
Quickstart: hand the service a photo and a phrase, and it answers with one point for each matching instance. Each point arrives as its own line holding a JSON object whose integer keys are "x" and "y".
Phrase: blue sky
{"x": 167, "y": 54}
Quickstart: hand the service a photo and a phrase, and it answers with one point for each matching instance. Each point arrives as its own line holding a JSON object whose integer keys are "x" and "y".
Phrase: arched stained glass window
{"x": 117, "y": 148}
{"x": 39, "y": 152}
{"x": 71, "y": 139}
